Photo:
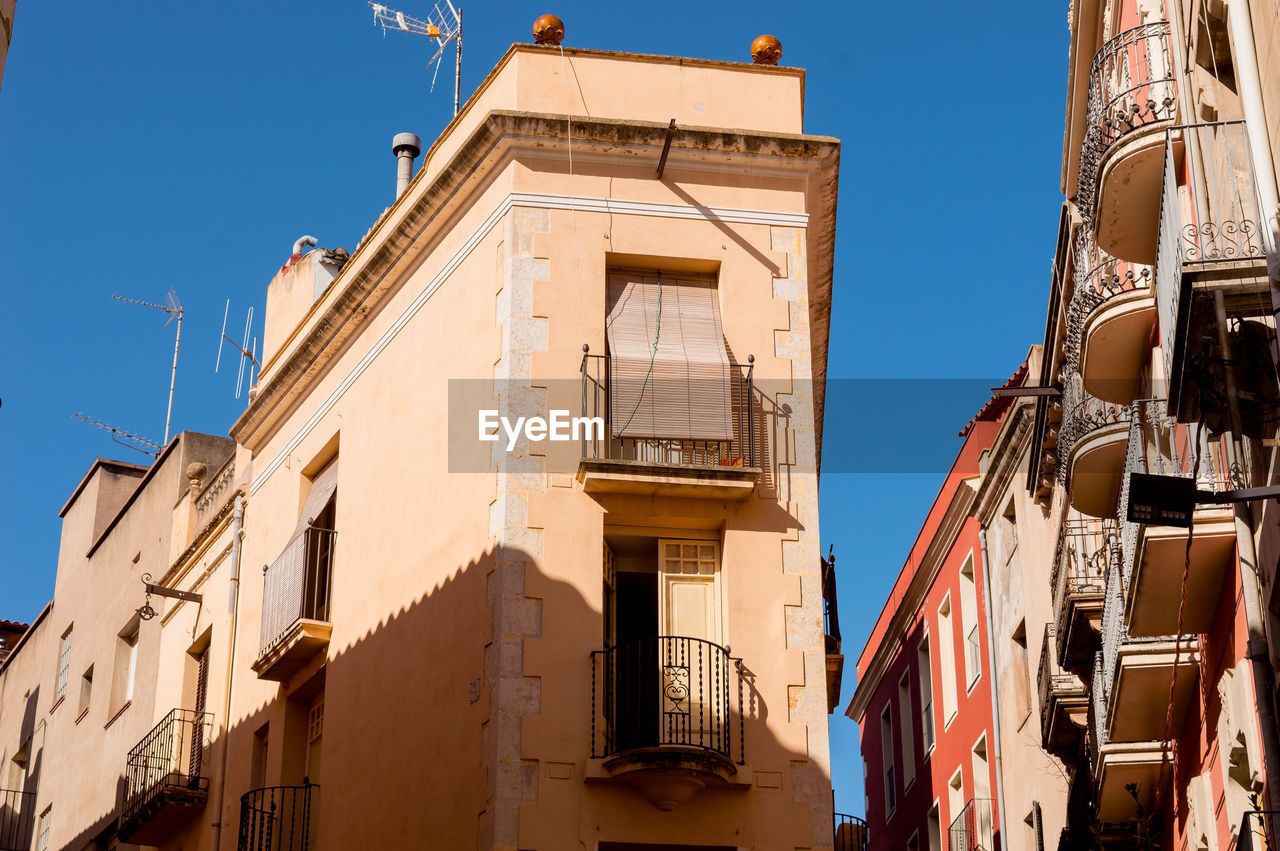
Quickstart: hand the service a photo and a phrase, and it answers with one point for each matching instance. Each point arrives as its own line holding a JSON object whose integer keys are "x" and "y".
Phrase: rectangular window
{"x": 886, "y": 752}
{"x": 907, "y": 731}
{"x": 947, "y": 658}
{"x": 86, "y": 691}
{"x": 924, "y": 665}
{"x": 913, "y": 844}
{"x": 258, "y": 759}
{"x": 42, "y": 833}
{"x": 64, "y": 666}
{"x": 969, "y": 623}
{"x": 935, "y": 828}
{"x": 126, "y": 667}
{"x": 1021, "y": 672}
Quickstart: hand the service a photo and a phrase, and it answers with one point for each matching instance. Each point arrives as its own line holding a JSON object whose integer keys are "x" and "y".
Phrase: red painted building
{"x": 923, "y": 699}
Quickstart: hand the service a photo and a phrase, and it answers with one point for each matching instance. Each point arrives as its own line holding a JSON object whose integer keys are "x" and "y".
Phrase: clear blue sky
{"x": 184, "y": 145}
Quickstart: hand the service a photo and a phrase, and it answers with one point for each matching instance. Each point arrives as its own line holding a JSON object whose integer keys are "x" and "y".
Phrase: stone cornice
{"x": 959, "y": 509}
{"x": 1006, "y": 454}
{"x": 383, "y": 260}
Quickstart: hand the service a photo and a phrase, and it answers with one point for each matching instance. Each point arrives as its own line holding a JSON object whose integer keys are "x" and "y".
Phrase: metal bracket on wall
{"x": 666, "y": 148}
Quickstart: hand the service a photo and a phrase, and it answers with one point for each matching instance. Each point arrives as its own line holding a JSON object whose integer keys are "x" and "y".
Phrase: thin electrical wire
{"x": 653, "y": 353}
{"x": 573, "y": 199}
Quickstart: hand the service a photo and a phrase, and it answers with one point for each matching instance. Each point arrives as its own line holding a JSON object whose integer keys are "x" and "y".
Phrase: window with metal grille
{"x": 64, "y": 665}
{"x": 42, "y": 841}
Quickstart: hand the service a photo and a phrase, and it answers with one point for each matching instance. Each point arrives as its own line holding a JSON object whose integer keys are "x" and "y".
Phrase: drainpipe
{"x": 995, "y": 686}
{"x": 233, "y": 609}
{"x": 1240, "y": 22}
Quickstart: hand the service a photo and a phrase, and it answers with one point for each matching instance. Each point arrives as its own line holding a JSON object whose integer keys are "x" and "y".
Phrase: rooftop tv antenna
{"x": 173, "y": 307}
{"x": 124, "y": 438}
{"x": 247, "y": 353}
{"x": 443, "y": 24}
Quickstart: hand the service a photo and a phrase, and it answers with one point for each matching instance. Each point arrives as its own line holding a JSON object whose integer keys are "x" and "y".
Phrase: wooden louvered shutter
{"x": 683, "y": 389}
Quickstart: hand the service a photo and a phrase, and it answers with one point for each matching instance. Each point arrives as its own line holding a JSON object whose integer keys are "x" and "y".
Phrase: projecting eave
{"x": 395, "y": 245}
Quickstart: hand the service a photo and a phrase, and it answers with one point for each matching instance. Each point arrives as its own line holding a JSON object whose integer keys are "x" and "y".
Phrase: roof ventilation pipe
{"x": 406, "y": 147}
{"x": 304, "y": 242}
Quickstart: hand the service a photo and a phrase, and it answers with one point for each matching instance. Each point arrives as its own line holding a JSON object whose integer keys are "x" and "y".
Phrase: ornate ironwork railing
{"x": 1099, "y": 277}
{"x": 296, "y": 586}
{"x": 850, "y": 833}
{"x": 17, "y": 819}
{"x": 738, "y": 451}
{"x": 1257, "y": 830}
{"x": 279, "y": 818}
{"x": 1132, "y": 84}
{"x": 1082, "y": 414}
{"x": 1096, "y": 728}
{"x": 974, "y": 828}
{"x": 1160, "y": 445}
{"x": 1087, "y": 547}
{"x": 1052, "y": 680}
{"x": 172, "y": 755}
{"x": 666, "y": 691}
{"x": 1210, "y": 212}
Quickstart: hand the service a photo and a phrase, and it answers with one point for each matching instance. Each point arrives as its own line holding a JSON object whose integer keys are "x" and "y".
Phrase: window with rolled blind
{"x": 669, "y": 371}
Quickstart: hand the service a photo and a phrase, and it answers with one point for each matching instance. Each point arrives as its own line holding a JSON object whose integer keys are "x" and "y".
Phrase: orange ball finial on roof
{"x": 766, "y": 50}
{"x": 548, "y": 29}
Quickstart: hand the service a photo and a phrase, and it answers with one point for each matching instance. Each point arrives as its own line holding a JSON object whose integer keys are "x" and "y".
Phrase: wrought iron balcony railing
{"x": 1082, "y": 414}
{"x": 296, "y": 586}
{"x": 1210, "y": 213}
{"x": 17, "y": 819}
{"x": 974, "y": 828}
{"x": 667, "y": 692}
{"x": 1132, "y": 84}
{"x": 1160, "y": 445}
{"x": 171, "y": 756}
{"x": 738, "y": 451}
{"x": 279, "y": 818}
{"x": 850, "y": 833}
{"x": 1052, "y": 680}
{"x": 1096, "y": 729}
{"x": 1257, "y": 830}
{"x": 1099, "y": 277}
{"x": 830, "y": 606}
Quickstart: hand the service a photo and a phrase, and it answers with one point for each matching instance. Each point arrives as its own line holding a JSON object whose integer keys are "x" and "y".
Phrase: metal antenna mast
{"x": 246, "y": 353}
{"x": 173, "y": 307}
{"x": 443, "y": 24}
{"x": 132, "y": 441}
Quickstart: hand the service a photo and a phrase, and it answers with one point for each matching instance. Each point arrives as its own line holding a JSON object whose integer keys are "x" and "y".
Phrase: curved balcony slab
{"x": 1114, "y": 344}
{"x": 1127, "y": 212}
{"x": 1155, "y": 586}
{"x": 1096, "y": 467}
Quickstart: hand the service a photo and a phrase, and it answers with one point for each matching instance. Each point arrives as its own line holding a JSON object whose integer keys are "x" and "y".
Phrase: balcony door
{"x": 689, "y": 663}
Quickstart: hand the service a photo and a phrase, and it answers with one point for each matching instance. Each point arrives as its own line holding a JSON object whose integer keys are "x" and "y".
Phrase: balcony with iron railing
{"x": 1109, "y": 321}
{"x": 1132, "y": 100}
{"x": 850, "y": 833}
{"x": 1210, "y": 260}
{"x": 974, "y": 828}
{"x": 279, "y": 818}
{"x": 1124, "y": 775}
{"x": 1086, "y": 549}
{"x": 666, "y": 716}
{"x": 17, "y": 819}
{"x": 1091, "y": 439}
{"x": 1139, "y": 673}
{"x": 295, "y": 605}
{"x": 166, "y": 777}
{"x": 681, "y": 451}
{"x": 1064, "y": 703}
{"x": 1154, "y": 558}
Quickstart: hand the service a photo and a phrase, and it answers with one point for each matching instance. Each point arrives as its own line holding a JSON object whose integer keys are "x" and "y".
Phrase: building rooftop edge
{"x": 121, "y": 466}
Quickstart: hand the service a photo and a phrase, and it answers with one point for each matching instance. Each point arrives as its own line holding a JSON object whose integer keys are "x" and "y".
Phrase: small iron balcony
{"x": 831, "y": 632}
{"x": 1118, "y": 768}
{"x": 1063, "y": 700}
{"x": 974, "y": 828}
{"x": 1132, "y": 99}
{"x": 295, "y": 605}
{"x": 664, "y": 708}
{"x": 674, "y": 460}
{"x": 279, "y": 818}
{"x": 850, "y": 833}
{"x": 17, "y": 819}
{"x": 166, "y": 782}
{"x": 1087, "y": 547}
{"x": 1092, "y": 441}
{"x": 1154, "y": 556}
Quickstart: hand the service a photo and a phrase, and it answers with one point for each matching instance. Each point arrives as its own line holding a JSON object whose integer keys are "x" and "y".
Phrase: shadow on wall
{"x": 419, "y": 734}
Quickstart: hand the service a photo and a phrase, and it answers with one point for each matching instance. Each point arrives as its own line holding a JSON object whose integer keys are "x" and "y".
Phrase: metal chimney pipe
{"x": 406, "y": 147}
